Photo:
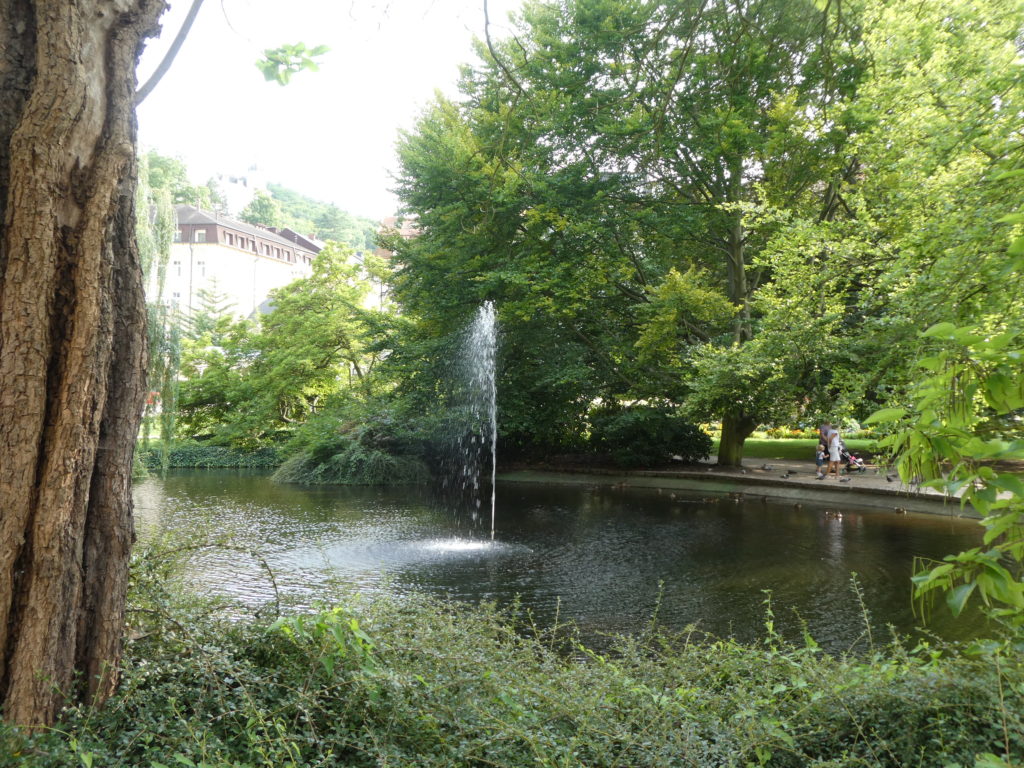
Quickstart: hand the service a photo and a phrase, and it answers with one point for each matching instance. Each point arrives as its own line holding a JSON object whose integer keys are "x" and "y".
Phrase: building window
{"x": 230, "y": 238}
{"x": 200, "y": 236}
{"x": 177, "y": 235}
{"x": 177, "y": 268}
{"x": 202, "y": 268}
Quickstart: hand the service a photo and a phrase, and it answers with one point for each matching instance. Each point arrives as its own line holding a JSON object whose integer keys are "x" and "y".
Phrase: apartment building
{"x": 241, "y": 261}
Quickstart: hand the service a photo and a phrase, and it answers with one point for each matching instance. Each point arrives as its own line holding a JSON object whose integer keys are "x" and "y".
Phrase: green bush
{"x": 378, "y": 449}
{"x": 353, "y": 464}
{"x": 643, "y": 435}
{"x": 198, "y": 455}
{"x": 418, "y": 682}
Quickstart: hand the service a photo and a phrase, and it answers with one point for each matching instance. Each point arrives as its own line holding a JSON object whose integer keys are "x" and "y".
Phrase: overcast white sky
{"x": 328, "y": 134}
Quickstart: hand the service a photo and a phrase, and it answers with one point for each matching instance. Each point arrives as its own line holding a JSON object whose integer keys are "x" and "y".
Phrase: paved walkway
{"x": 780, "y": 479}
{"x": 802, "y": 472}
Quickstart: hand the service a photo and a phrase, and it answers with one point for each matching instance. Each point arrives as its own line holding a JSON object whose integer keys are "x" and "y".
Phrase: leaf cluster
{"x": 962, "y": 434}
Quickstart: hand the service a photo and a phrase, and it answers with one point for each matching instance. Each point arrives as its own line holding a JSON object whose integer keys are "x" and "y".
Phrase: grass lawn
{"x": 799, "y": 449}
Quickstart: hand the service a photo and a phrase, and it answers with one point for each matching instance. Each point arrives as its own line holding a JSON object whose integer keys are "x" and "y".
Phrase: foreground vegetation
{"x": 415, "y": 682}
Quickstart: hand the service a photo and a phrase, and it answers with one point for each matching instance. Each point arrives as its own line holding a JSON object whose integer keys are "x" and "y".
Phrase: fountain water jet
{"x": 480, "y": 361}
{"x": 468, "y": 437}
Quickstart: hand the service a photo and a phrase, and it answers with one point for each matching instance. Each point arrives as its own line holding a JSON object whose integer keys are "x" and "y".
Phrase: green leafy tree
{"x": 215, "y": 389}
{"x": 245, "y": 384}
{"x": 171, "y": 175}
{"x": 263, "y": 210}
{"x": 911, "y": 241}
{"x": 591, "y": 165}
{"x": 317, "y": 334}
{"x": 155, "y": 227}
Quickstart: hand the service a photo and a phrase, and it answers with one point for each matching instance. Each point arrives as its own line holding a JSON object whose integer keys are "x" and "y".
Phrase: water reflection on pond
{"x": 594, "y": 554}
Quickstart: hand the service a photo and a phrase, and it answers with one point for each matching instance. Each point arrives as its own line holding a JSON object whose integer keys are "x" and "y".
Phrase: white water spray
{"x": 481, "y": 358}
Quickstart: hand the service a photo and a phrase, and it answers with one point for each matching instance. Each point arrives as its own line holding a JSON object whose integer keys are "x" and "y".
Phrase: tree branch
{"x": 168, "y": 59}
{"x": 494, "y": 55}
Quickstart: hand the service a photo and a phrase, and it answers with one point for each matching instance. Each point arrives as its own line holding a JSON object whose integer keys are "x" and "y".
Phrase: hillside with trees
{"x": 325, "y": 221}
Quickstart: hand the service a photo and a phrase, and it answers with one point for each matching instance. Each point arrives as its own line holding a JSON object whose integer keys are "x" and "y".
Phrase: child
{"x": 820, "y": 457}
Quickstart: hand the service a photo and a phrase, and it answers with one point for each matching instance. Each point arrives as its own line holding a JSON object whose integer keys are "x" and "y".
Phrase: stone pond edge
{"x": 900, "y": 499}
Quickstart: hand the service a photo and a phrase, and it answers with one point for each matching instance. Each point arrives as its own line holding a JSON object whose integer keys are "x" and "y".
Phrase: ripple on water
{"x": 608, "y": 559}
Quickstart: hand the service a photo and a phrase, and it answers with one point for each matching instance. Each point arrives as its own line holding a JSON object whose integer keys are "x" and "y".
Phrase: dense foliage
{"x": 193, "y": 455}
{"x": 747, "y": 209}
{"x": 743, "y": 213}
{"x": 642, "y": 435}
{"x": 248, "y": 381}
{"x": 414, "y": 682}
{"x": 367, "y": 448}
{"x": 960, "y": 434}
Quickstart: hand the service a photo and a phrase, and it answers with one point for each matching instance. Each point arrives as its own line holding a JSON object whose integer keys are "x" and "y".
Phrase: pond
{"x": 604, "y": 557}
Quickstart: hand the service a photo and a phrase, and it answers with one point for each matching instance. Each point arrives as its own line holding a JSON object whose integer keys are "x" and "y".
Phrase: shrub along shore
{"x": 413, "y": 681}
{"x": 192, "y": 454}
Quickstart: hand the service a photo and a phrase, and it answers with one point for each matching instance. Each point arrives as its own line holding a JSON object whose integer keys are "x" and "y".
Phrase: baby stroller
{"x": 850, "y": 462}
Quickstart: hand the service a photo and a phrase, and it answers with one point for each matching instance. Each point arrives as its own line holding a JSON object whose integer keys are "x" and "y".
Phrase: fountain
{"x": 480, "y": 357}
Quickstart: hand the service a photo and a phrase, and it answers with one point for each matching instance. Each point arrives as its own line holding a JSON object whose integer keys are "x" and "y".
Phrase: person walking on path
{"x": 830, "y": 437}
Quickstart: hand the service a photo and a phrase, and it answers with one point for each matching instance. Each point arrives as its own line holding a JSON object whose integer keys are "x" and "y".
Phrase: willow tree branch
{"x": 168, "y": 59}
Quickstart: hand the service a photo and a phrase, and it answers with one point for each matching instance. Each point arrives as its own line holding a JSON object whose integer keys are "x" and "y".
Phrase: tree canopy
{"x": 746, "y": 210}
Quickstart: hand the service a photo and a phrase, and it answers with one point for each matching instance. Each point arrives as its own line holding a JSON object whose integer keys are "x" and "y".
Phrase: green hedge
{"x": 192, "y": 454}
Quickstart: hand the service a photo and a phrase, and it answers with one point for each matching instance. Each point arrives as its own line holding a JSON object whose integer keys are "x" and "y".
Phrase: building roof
{"x": 188, "y": 214}
{"x": 405, "y": 225}
{"x": 305, "y": 241}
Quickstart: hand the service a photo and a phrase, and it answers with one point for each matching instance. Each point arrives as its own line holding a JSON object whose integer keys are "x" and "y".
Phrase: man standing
{"x": 830, "y": 439}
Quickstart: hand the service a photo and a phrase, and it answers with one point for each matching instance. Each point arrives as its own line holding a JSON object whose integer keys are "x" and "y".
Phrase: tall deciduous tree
{"x": 263, "y": 210}
{"x": 72, "y": 344}
{"x": 608, "y": 150}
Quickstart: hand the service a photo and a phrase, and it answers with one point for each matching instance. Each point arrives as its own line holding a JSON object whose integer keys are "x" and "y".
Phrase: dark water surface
{"x": 595, "y": 555}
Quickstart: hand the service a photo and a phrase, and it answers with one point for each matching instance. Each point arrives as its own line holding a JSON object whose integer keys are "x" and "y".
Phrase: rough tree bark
{"x": 72, "y": 345}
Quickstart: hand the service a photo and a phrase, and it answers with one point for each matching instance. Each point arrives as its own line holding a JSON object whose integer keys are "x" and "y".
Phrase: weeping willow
{"x": 155, "y": 227}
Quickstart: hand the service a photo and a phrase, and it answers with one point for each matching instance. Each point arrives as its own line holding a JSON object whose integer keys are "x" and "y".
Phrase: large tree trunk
{"x": 72, "y": 344}
{"x": 736, "y": 428}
